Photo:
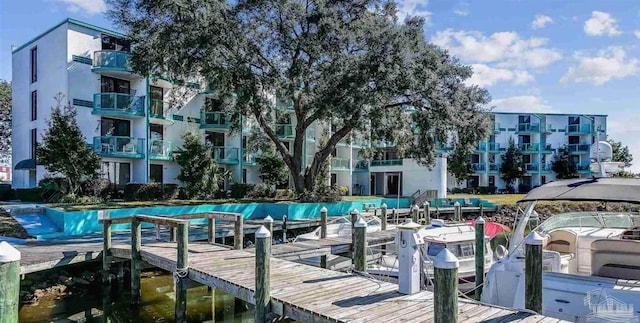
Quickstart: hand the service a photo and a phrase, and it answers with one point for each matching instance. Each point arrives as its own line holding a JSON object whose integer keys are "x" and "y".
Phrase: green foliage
{"x": 343, "y": 190}
{"x": 352, "y": 65}
{"x": 5, "y": 121}
{"x": 199, "y": 172}
{"x": 459, "y": 164}
{"x": 322, "y": 193}
{"x": 563, "y": 166}
{"x": 620, "y": 153}
{"x": 240, "y": 190}
{"x": 150, "y": 192}
{"x": 512, "y": 167}
{"x": 272, "y": 169}
{"x": 30, "y": 194}
{"x": 64, "y": 151}
{"x": 261, "y": 190}
{"x": 6, "y": 192}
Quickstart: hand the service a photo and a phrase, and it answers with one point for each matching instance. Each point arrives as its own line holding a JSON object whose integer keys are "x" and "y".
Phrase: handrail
{"x": 416, "y": 193}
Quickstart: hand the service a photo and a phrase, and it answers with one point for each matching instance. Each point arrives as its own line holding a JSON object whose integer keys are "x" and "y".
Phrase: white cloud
{"x": 541, "y": 21}
{"x": 524, "y": 103}
{"x": 413, "y": 8}
{"x": 506, "y": 49}
{"x": 91, "y": 7}
{"x": 484, "y": 75}
{"x": 601, "y": 23}
{"x": 606, "y": 65}
{"x": 637, "y": 33}
{"x": 462, "y": 9}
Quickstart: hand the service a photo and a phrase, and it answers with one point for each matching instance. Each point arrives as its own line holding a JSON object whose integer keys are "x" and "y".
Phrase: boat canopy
{"x": 600, "y": 189}
{"x": 612, "y": 220}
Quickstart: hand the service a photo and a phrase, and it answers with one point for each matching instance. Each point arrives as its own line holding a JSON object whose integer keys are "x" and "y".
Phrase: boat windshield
{"x": 591, "y": 220}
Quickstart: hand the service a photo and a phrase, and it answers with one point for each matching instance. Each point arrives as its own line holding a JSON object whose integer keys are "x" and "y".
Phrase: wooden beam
{"x": 238, "y": 232}
{"x": 106, "y": 252}
{"x": 136, "y": 266}
{"x": 182, "y": 270}
{"x": 9, "y": 283}
{"x": 262, "y": 274}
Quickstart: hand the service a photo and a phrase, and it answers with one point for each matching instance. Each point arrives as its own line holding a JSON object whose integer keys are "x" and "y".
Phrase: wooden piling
{"x": 457, "y": 211}
{"x": 481, "y": 209}
{"x": 172, "y": 234}
{"x": 427, "y": 213}
{"x": 360, "y": 245}
{"x": 394, "y": 215}
{"x": 238, "y": 232}
{"x": 533, "y": 272}
{"x": 211, "y": 230}
{"x": 354, "y": 217}
{"x": 106, "y": 251}
{"x": 9, "y": 283}
{"x": 136, "y": 259}
{"x": 263, "y": 271}
{"x": 284, "y": 228}
{"x": 480, "y": 245}
{"x": 414, "y": 213}
{"x": 182, "y": 270}
{"x": 323, "y": 233}
{"x": 268, "y": 223}
{"x": 383, "y": 213}
{"x": 437, "y": 212}
{"x": 445, "y": 287}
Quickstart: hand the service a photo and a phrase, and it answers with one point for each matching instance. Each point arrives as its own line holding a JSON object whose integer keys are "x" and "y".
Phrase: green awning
{"x": 26, "y": 164}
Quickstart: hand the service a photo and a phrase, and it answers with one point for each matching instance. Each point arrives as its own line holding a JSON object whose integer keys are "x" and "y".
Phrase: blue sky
{"x": 562, "y": 56}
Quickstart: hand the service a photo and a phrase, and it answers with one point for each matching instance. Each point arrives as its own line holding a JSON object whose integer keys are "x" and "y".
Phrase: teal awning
{"x": 26, "y": 164}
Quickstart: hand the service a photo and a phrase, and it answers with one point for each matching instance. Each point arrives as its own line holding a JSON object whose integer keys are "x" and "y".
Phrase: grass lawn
{"x": 500, "y": 199}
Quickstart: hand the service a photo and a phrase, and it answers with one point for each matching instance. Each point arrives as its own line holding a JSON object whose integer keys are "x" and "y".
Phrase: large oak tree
{"x": 351, "y": 64}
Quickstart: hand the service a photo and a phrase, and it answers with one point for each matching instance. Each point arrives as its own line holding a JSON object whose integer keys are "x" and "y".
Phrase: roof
{"x": 549, "y": 114}
{"x": 601, "y": 189}
{"x": 73, "y": 22}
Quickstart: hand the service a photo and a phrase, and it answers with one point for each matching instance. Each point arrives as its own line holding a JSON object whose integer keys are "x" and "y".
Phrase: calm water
{"x": 157, "y": 305}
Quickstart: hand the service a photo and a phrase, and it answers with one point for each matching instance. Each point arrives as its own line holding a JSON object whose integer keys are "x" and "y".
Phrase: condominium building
{"x": 135, "y": 122}
{"x": 539, "y": 137}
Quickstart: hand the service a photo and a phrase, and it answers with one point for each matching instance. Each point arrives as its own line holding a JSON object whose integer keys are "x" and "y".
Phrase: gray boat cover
{"x": 583, "y": 189}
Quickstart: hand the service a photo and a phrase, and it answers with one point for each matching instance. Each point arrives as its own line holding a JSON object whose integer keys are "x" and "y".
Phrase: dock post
{"x": 383, "y": 214}
{"x": 437, "y": 212}
{"x": 445, "y": 291}
{"x": 106, "y": 246}
{"x": 284, "y": 228}
{"x": 238, "y": 233}
{"x": 457, "y": 211}
{"x": 172, "y": 234}
{"x": 354, "y": 217}
{"x": 323, "y": 233}
{"x": 9, "y": 283}
{"x": 360, "y": 246}
{"x": 533, "y": 272}
{"x": 182, "y": 271}
{"x": 481, "y": 209}
{"x": 427, "y": 213}
{"x": 394, "y": 215}
{"x": 480, "y": 245}
{"x": 211, "y": 230}
{"x": 136, "y": 259}
{"x": 268, "y": 223}
{"x": 263, "y": 271}
{"x": 414, "y": 213}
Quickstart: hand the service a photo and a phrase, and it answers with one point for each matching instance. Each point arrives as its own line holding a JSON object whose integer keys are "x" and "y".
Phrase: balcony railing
{"x": 284, "y": 130}
{"x": 546, "y": 148}
{"x": 214, "y": 120}
{"x": 496, "y": 128}
{"x": 578, "y": 148}
{"x": 113, "y": 60}
{"x": 361, "y": 165}
{"x": 225, "y": 155}
{"x": 340, "y": 163}
{"x": 531, "y": 167}
{"x": 249, "y": 158}
{"x": 160, "y": 110}
{"x": 481, "y": 146}
{"x": 160, "y": 150}
{"x": 545, "y": 128}
{"x": 494, "y": 147}
{"x": 119, "y": 104}
{"x": 529, "y": 148}
{"x": 311, "y": 133}
{"x": 528, "y": 128}
{"x": 386, "y": 162}
{"x": 578, "y": 129}
{"x": 546, "y": 167}
{"x": 116, "y": 146}
{"x": 479, "y": 167}
{"x": 493, "y": 167}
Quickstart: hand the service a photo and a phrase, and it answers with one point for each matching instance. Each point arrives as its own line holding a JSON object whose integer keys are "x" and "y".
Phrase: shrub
{"x": 260, "y": 190}
{"x": 30, "y": 194}
{"x": 150, "y": 192}
{"x": 99, "y": 187}
{"x": 73, "y": 198}
{"x": 343, "y": 190}
{"x": 53, "y": 188}
{"x": 240, "y": 190}
{"x": 322, "y": 193}
{"x": 284, "y": 194}
{"x": 6, "y": 192}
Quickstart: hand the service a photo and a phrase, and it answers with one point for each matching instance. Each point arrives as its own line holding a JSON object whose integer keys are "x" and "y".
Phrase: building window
{"x": 34, "y": 142}
{"x": 114, "y": 43}
{"x": 244, "y": 175}
{"x": 524, "y": 119}
{"x": 155, "y": 173}
{"x": 574, "y": 120}
{"x": 34, "y": 105}
{"x": 114, "y": 85}
{"x": 34, "y": 64}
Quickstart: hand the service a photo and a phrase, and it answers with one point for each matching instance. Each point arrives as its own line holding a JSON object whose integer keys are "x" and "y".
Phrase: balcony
{"x": 529, "y": 148}
{"x": 578, "y": 148}
{"x": 361, "y": 166}
{"x": 225, "y": 155}
{"x": 284, "y": 105}
{"x": 386, "y": 162}
{"x": 311, "y": 133}
{"x": 119, "y": 147}
{"x": 494, "y": 147}
{"x": 340, "y": 163}
{"x": 578, "y": 129}
{"x": 478, "y": 167}
{"x": 249, "y": 158}
{"x": 545, "y": 128}
{"x": 494, "y": 168}
{"x": 546, "y": 148}
{"x": 531, "y": 167}
{"x": 546, "y": 167}
{"x": 214, "y": 120}
{"x": 118, "y": 104}
{"x": 481, "y": 147}
{"x": 496, "y": 128}
{"x": 524, "y": 128}
{"x": 284, "y": 130}
{"x": 160, "y": 150}
{"x": 113, "y": 63}
{"x": 160, "y": 110}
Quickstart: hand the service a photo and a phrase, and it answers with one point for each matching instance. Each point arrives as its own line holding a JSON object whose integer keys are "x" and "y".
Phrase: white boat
{"x": 341, "y": 227}
{"x": 591, "y": 260}
{"x": 459, "y": 238}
